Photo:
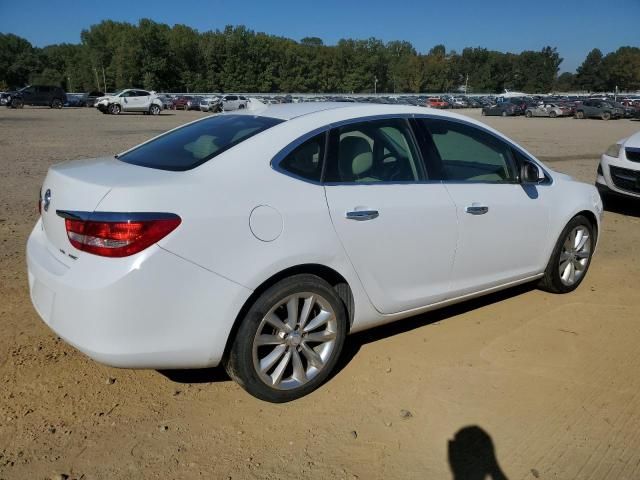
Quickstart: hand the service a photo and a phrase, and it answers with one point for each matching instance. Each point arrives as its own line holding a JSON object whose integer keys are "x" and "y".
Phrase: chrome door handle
{"x": 361, "y": 215}
{"x": 477, "y": 209}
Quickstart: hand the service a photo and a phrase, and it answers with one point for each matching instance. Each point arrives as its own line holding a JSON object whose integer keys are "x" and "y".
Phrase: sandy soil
{"x": 551, "y": 382}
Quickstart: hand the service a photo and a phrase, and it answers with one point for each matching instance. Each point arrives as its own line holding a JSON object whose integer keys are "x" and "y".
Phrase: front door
{"x": 502, "y": 223}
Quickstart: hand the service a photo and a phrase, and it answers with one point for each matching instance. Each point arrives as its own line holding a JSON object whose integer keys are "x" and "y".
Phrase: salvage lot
{"x": 551, "y": 379}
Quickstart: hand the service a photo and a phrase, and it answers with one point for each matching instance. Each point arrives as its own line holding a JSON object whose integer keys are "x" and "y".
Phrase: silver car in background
{"x": 545, "y": 110}
{"x": 211, "y": 104}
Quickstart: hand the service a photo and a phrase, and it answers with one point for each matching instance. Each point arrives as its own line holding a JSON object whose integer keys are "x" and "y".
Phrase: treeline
{"x": 159, "y": 57}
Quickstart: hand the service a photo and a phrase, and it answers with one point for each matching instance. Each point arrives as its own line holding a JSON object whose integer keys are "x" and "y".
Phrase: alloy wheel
{"x": 295, "y": 341}
{"x": 574, "y": 256}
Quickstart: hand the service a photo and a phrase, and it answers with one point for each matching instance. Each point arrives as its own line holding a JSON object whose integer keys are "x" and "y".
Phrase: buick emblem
{"x": 47, "y": 199}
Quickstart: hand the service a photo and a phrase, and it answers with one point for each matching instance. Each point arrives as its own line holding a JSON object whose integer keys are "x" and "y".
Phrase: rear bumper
{"x": 150, "y": 310}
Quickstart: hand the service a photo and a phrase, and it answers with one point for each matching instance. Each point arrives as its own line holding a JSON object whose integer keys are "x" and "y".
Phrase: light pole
{"x": 375, "y": 85}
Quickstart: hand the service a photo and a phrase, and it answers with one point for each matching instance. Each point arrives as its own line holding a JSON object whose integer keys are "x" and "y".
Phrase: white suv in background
{"x": 619, "y": 169}
{"x": 234, "y": 102}
{"x": 130, "y": 100}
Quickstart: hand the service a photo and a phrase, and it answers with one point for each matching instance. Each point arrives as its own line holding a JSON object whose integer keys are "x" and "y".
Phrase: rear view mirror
{"x": 531, "y": 173}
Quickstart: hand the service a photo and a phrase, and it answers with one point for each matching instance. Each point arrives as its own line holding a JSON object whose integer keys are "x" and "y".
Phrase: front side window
{"x": 373, "y": 152}
{"x": 196, "y": 143}
{"x": 306, "y": 160}
{"x": 463, "y": 153}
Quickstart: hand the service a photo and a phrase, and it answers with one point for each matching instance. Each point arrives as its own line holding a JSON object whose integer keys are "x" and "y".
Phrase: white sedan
{"x": 619, "y": 169}
{"x": 259, "y": 241}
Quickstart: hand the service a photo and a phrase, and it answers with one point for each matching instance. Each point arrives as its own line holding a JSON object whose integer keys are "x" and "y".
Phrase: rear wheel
{"x": 571, "y": 257}
{"x": 56, "y": 103}
{"x": 605, "y": 115}
{"x": 16, "y": 103}
{"x": 580, "y": 115}
{"x": 483, "y": 112}
{"x": 553, "y": 114}
{"x": 504, "y": 114}
{"x": 290, "y": 339}
{"x": 115, "y": 109}
{"x": 528, "y": 114}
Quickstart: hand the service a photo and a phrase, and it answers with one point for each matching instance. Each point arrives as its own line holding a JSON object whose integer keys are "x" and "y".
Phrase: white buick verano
{"x": 259, "y": 241}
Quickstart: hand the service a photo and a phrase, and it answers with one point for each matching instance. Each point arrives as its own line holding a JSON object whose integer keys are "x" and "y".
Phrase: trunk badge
{"x": 47, "y": 200}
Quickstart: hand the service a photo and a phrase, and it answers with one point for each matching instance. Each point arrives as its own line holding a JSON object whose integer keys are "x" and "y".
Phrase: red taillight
{"x": 118, "y": 238}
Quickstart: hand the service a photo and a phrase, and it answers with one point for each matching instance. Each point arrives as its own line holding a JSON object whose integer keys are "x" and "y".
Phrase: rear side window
{"x": 196, "y": 143}
{"x": 306, "y": 160}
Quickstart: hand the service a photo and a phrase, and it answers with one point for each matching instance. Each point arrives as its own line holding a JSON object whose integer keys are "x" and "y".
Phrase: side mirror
{"x": 531, "y": 173}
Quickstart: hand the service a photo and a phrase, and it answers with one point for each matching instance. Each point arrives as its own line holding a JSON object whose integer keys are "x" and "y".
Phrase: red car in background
{"x": 180, "y": 103}
{"x": 436, "y": 102}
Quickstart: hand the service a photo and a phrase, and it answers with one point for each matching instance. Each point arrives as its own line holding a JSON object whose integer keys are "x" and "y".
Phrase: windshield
{"x": 196, "y": 143}
{"x": 117, "y": 93}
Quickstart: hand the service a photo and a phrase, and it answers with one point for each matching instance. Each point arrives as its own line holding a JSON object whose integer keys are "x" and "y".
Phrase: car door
{"x": 398, "y": 229}
{"x": 502, "y": 224}
{"x": 143, "y": 100}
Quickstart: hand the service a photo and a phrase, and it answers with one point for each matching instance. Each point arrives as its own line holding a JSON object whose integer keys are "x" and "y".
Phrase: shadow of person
{"x": 472, "y": 456}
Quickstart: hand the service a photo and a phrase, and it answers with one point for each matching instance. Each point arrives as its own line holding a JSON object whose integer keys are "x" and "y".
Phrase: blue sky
{"x": 574, "y": 27}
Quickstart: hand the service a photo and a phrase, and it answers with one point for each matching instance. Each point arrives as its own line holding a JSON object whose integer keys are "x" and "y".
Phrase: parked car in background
{"x": 37, "y": 95}
{"x": 619, "y": 169}
{"x": 234, "y": 102}
{"x": 545, "y": 110}
{"x": 127, "y": 263}
{"x": 130, "y": 100}
{"x": 503, "y": 109}
{"x": 193, "y": 103}
{"x": 91, "y": 98}
{"x": 596, "y": 108}
{"x": 436, "y": 102}
{"x": 167, "y": 102}
{"x": 211, "y": 104}
{"x": 75, "y": 101}
{"x": 180, "y": 103}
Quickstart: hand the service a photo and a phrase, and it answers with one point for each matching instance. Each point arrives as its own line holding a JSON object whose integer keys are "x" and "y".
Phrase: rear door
{"x": 398, "y": 228}
{"x": 502, "y": 224}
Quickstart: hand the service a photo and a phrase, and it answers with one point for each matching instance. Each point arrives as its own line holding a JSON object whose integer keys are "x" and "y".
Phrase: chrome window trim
{"x": 278, "y": 157}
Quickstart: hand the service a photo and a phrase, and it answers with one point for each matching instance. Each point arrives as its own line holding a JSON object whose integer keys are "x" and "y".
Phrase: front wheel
{"x": 580, "y": 115}
{"x": 504, "y": 114}
{"x": 553, "y": 114}
{"x": 528, "y": 114}
{"x": 290, "y": 339}
{"x": 606, "y": 115}
{"x": 115, "y": 109}
{"x": 154, "y": 109}
{"x": 571, "y": 257}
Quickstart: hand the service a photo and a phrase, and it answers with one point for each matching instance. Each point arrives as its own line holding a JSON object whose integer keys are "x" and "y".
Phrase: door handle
{"x": 361, "y": 215}
{"x": 477, "y": 209}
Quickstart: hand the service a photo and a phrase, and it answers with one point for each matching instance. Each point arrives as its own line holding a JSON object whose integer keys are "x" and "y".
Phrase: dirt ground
{"x": 536, "y": 385}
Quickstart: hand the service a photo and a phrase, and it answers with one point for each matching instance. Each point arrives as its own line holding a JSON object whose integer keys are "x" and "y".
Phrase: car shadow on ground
{"x": 357, "y": 340}
{"x": 622, "y": 205}
{"x": 472, "y": 456}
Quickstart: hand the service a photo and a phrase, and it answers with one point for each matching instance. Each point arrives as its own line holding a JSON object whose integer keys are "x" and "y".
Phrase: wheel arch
{"x": 328, "y": 274}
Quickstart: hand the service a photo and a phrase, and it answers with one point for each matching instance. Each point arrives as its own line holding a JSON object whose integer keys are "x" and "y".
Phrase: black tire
{"x": 552, "y": 114}
{"x": 56, "y": 103}
{"x": 484, "y": 112}
{"x": 154, "y": 109}
{"x": 241, "y": 107}
{"x": 16, "y": 103}
{"x": 551, "y": 281}
{"x": 240, "y": 362}
{"x": 115, "y": 109}
{"x": 606, "y": 115}
{"x": 528, "y": 114}
{"x": 580, "y": 115}
{"x": 504, "y": 114}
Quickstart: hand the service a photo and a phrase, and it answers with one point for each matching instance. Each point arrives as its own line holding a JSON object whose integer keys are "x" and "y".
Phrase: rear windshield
{"x": 196, "y": 143}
